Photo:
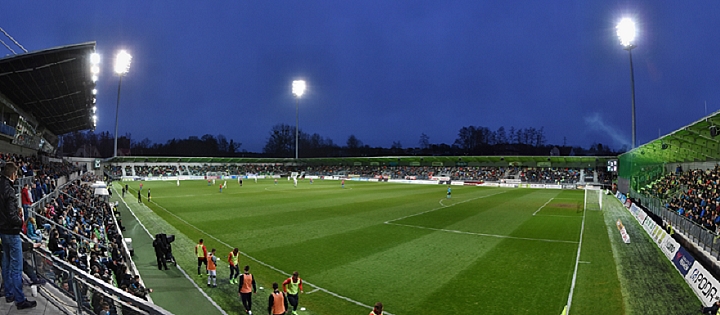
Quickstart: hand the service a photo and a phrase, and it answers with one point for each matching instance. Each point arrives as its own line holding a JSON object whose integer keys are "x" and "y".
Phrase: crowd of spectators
{"x": 81, "y": 229}
{"x": 469, "y": 173}
{"x": 693, "y": 194}
{"x": 76, "y": 226}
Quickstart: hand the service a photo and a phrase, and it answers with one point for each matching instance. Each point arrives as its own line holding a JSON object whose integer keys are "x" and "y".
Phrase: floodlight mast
{"x": 298, "y": 88}
{"x": 626, "y": 33}
{"x": 122, "y": 66}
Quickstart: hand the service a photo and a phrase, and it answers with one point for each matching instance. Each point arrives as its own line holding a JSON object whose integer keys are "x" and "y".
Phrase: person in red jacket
{"x": 26, "y": 200}
{"x": 292, "y": 287}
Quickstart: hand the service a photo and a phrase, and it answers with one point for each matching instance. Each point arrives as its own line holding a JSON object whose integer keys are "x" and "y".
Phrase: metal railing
{"x": 696, "y": 233}
{"x": 81, "y": 293}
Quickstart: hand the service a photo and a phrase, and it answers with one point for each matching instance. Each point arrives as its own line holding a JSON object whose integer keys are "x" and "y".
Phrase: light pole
{"x": 626, "y": 33}
{"x": 122, "y": 65}
{"x": 298, "y": 88}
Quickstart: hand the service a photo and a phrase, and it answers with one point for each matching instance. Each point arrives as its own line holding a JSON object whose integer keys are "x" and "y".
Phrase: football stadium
{"x": 635, "y": 233}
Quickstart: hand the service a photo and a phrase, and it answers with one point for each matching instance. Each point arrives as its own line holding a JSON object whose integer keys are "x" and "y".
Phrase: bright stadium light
{"x": 298, "y": 88}
{"x": 94, "y": 69}
{"x": 122, "y": 62}
{"x": 626, "y": 32}
{"x": 94, "y": 109}
{"x": 94, "y": 58}
{"x": 94, "y": 78}
{"x": 122, "y": 66}
{"x": 94, "y": 91}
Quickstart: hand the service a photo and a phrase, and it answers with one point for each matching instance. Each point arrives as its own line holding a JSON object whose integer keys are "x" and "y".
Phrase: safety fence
{"x": 77, "y": 292}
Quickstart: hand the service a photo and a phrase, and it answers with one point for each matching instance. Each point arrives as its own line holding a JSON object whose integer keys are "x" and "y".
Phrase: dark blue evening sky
{"x": 389, "y": 70}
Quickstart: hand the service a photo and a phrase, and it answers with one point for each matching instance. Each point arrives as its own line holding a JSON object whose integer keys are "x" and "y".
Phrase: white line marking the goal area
{"x": 285, "y": 273}
{"x": 543, "y": 206}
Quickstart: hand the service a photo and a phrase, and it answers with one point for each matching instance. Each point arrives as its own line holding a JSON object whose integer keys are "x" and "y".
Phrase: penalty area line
{"x": 442, "y": 207}
{"x": 268, "y": 265}
{"x": 484, "y": 234}
{"x": 543, "y": 206}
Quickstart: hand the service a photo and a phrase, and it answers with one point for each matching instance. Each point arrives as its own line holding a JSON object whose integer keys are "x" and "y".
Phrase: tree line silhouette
{"x": 471, "y": 140}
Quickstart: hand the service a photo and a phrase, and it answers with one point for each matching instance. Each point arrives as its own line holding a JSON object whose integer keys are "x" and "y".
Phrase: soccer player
{"x": 342, "y": 184}
{"x": 212, "y": 268}
{"x": 277, "y": 304}
{"x": 246, "y": 289}
{"x": 377, "y": 310}
{"x": 240, "y": 180}
{"x": 292, "y": 286}
{"x": 276, "y": 181}
{"x": 148, "y": 194}
{"x": 311, "y": 180}
{"x": 201, "y": 253}
{"x": 225, "y": 184}
{"x": 139, "y": 197}
{"x": 295, "y": 181}
{"x": 141, "y": 184}
{"x": 449, "y": 191}
{"x": 234, "y": 261}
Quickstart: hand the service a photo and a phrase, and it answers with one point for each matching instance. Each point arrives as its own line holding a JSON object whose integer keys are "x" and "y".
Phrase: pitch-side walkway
{"x": 172, "y": 290}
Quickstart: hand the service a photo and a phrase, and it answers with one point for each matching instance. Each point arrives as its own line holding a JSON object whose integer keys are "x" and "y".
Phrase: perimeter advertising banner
{"x": 623, "y": 232}
{"x": 669, "y": 246}
{"x": 703, "y": 283}
{"x": 683, "y": 261}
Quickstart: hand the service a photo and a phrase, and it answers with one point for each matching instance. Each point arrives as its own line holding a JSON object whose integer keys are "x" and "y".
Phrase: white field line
{"x": 441, "y": 207}
{"x": 557, "y": 216}
{"x": 577, "y": 261}
{"x": 543, "y": 206}
{"x": 178, "y": 267}
{"x": 313, "y": 291}
{"x": 268, "y": 265}
{"x": 484, "y": 234}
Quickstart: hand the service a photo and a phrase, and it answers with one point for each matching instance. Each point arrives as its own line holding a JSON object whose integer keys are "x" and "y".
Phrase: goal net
{"x": 593, "y": 198}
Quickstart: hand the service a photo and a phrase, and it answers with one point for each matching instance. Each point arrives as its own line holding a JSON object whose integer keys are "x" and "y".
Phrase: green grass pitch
{"x": 484, "y": 251}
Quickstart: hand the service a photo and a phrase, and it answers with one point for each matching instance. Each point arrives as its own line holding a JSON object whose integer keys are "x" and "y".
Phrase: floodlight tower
{"x": 122, "y": 66}
{"x": 95, "y": 70}
{"x": 626, "y": 33}
{"x": 298, "y": 88}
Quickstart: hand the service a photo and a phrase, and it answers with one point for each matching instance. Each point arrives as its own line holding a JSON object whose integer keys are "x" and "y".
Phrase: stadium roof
{"x": 693, "y": 143}
{"x": 52, "y": 86}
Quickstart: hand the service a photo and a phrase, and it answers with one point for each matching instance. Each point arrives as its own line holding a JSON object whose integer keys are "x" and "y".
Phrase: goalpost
{"x": 593, "y": 198}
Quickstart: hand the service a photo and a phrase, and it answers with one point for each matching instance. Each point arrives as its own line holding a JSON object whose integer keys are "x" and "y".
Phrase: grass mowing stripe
{"x": 269, "y": 266}
{"x": 178, "y": 267}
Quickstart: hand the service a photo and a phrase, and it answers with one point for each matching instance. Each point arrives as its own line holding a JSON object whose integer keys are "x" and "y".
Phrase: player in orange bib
{"x": 246, "y": 289}
{"x": 212, "y": 268}
{"x": 277, "y": 304}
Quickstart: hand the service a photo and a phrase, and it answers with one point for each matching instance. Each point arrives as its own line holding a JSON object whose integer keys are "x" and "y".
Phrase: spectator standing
{"x": 233, "y": 261}
{"x": 293, "y": 286}
{"x": 246, "y": 289}
{"x": 277, "y": 304}
{"x": 26, "y": 200}
{"x": 10, "y": 225}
